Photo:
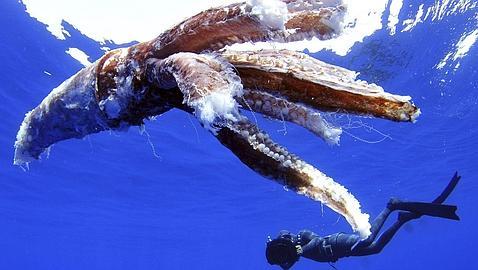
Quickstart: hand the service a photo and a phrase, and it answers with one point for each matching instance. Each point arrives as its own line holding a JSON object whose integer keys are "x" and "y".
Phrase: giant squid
{"x": 193, "y": 67}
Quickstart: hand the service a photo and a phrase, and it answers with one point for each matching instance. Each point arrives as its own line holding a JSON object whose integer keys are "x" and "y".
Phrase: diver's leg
{"x": 376, "y": 226}
{"x": 381, "y": 242}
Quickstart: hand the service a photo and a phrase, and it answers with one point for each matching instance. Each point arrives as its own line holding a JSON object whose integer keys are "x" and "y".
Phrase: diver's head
{"x": 283, "y": 250}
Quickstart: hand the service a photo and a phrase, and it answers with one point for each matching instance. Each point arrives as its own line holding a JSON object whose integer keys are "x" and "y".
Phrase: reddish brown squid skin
{"x": 324, "y": 98}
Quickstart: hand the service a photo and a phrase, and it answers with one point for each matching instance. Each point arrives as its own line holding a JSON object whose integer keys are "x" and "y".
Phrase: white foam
{"x": 272, "y": 13}
{"x": 120, "y": 21}
{"x": 219, "y": 104}
{"x": 461, "y": 49}
{"x": 464, "y": 44}
{"x": 441, "y": 9}
{"x": 411, "y": 23}
{"x": 301, "y": 5}
{"x": 437, "y": 11}
{"x": 393, "y": 20}
{"x": 79, "y": 55}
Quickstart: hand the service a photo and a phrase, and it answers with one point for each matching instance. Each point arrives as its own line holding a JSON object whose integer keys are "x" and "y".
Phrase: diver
{"x": 287, "y": 248}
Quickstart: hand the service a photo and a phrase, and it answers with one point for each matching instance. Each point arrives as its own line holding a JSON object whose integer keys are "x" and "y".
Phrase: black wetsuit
{"x": 332, "y": 247}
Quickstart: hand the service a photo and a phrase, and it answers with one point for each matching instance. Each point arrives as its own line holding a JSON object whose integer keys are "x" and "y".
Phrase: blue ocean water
{"x": 109, "y": 202}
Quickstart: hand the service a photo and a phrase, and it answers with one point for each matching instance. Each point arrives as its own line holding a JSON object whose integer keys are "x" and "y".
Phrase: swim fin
{"x": 436, "y": 209}
{"x": 428, "y": 209}
{"x": 449, "y": 188}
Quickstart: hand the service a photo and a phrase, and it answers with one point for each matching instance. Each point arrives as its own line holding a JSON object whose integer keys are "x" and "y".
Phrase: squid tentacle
{"x": 301, "y": 78}
{"x": 69, "y": 111}
{"x": 216, "y": 28}
{"x": 282, "y": 109}
{"x": 255, "y": 149}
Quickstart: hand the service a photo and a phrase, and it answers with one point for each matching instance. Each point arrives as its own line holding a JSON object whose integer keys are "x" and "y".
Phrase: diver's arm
{"x": 312, "y": 250}
{"x": 311, "y": 246}
{"x": 306, "y": 236}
